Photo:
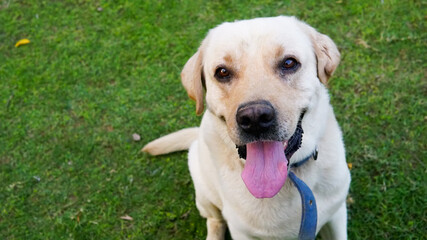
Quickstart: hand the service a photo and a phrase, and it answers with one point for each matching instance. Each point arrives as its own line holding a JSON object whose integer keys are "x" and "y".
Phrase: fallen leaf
{"x": 22, "y": 42}
{"x": 110, "y": 128}
{"x": 362, "y": 42}
{"x": 126, "y": 217}
{"x": 186, "y": 214}
{"x": 350, "y": 165}
{"x": 349, "y": 200}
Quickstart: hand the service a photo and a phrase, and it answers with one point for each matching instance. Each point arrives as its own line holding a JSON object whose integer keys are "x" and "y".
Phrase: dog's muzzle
{"x": 293, "y": 144}
{"x": 266, "y": 167}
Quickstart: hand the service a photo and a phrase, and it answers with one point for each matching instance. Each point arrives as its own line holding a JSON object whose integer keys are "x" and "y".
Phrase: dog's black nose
{"x": 255, "y": 117}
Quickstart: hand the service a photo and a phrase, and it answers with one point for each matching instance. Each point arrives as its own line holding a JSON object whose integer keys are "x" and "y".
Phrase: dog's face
{"x": 260, "y": 70}
{"x": 260, "y": 76}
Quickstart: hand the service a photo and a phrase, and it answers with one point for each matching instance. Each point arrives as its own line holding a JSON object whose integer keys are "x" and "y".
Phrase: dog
{"x": 267, "y": 117}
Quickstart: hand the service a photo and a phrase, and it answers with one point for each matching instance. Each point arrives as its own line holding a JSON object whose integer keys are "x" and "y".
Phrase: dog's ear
{"x": 327, "y": 54}
{"x": 192, "y": 77}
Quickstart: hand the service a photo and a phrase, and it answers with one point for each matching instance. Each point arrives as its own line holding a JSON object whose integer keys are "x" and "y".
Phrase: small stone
{"x": 136, "y": 137}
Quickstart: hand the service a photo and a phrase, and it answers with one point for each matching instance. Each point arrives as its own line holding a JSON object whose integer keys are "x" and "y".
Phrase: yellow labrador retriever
{"x": 268, "y": 120}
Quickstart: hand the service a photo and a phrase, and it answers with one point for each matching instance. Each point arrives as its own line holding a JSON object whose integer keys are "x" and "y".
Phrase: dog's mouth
{"x": 266, "y": 166}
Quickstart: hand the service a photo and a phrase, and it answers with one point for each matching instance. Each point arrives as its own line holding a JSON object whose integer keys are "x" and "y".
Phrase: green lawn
{"x": 97, "y": 72}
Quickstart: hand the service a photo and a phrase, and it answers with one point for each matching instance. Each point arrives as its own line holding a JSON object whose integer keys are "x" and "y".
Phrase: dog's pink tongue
{"x": 265, "y": 169}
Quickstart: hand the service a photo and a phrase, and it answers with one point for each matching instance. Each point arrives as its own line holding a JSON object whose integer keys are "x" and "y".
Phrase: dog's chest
{"x": 274, "y": 218}
{"x": 264, "y": 223}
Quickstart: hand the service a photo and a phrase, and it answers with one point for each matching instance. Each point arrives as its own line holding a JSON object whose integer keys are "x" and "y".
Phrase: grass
{"x": 96, "y": 72}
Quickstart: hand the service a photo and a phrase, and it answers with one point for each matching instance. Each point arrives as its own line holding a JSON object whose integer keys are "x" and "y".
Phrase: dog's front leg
{"x": 216, "y": 229}
{"x": 336, "y": 228}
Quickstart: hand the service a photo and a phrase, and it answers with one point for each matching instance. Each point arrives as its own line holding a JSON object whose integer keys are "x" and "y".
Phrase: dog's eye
{"x": 222, "y": 74}
{"x": 289, "y": 65}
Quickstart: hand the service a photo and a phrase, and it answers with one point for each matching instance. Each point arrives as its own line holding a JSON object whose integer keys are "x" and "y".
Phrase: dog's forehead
{"x": 257, "y": 35}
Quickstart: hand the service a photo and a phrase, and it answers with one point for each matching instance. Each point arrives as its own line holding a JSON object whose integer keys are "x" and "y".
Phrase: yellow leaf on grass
{"x": 22, "y": 42}
{"x": 350, "y": 165}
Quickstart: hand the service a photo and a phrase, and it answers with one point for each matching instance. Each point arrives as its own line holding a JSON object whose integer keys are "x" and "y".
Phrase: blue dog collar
{"x": 309, "y": 209}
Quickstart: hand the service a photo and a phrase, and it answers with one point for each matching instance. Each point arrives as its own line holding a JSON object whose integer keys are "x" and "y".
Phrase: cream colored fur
{"x": 252, "y": 48}
{"x": 177, "y": 141}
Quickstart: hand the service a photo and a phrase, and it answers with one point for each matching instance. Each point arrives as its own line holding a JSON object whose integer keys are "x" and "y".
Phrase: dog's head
{"x": 260, "y": 76}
